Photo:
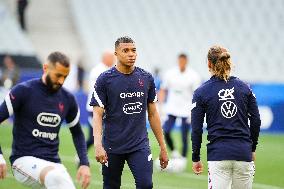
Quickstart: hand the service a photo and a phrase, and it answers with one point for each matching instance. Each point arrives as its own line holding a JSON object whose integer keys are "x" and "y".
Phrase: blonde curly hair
{"x": 219, "y": 57}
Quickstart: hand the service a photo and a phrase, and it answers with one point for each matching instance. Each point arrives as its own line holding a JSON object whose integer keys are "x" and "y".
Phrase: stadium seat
{"x": 162, "y": 29}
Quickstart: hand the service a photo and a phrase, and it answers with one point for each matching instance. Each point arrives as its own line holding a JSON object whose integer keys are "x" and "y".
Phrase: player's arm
{"x": 101, "y": 155}
{"x": 197, "y": 117}
{"x": 80, "y": 144}
{"x": 255, "y": 121}
{"x": 83, "y": 172}
{"x": 4, "y": 114}
{"x": 72, "y": 119}
{"x": 98, "y": 101}
{"x": 12, "y": 102}
{"x": 3, "y": 166}
{"x": 155, "y": 123}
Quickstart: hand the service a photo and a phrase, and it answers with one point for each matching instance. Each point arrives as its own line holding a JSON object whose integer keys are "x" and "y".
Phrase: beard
{"x": 52, "y": 86}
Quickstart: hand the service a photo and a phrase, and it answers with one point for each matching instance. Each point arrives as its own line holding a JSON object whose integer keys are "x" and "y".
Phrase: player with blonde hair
{"x": 233, "y": 125}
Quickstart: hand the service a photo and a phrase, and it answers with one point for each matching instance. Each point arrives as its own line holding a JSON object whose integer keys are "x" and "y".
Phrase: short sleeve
{"x": 73, "y": 115}
{"x": 152, "y": 95}
{"x": 99, "y": 93}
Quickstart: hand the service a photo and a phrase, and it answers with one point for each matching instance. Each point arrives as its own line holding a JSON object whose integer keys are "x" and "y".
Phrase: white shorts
{"x": 27, "y": 170}
{"x": 230, "y": 174}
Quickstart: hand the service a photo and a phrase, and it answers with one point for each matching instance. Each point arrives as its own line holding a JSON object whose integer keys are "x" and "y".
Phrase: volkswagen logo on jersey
{"x": 132, "y": 108}
{"x": 228, "y": 109}
{"x": 48, "y": 119}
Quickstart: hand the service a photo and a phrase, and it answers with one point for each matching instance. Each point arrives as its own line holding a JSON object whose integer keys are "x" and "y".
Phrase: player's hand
{"x": 84, "y": 176}
{"x": 3, "y": 167}
{"x": 101, "y": 155}
{"x": 253, "y": 156}
{"x": 197, "y": 167}
{"x": 164, "y": 159}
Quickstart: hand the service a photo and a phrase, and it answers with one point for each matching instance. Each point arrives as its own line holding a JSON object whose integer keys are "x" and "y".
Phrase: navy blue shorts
{"x": 140, "y": 163}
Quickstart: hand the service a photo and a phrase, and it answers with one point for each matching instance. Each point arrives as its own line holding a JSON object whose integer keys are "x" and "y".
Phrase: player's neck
{"x": 124, "y": 68}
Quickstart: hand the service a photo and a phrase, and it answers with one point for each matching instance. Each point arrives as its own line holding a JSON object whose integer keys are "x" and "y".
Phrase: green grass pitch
{"x": 269, "y": 164}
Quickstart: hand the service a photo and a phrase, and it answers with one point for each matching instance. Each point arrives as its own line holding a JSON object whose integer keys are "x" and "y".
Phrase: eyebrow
{"x": 134, "y": 48}
{"x": 59, "y": 74}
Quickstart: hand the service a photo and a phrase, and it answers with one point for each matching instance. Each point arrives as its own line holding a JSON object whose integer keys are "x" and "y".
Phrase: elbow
{"x": 151, "y": 115}
{"x": 256, "y": 123}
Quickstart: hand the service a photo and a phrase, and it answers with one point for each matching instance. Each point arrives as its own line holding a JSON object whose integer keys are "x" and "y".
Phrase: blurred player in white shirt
{"x": 177, "y": 89}
{"x": 108, "y": 60}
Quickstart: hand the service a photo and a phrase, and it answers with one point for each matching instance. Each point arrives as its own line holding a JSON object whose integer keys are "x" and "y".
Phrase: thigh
{"x": 243, "y": 174}
{"x": 220, "y": 174}
{"x": 141, "y": 165}
{"x": 27, "y": 170}
{"x": 112, "y": 171}
{"x": 169, "y": 123}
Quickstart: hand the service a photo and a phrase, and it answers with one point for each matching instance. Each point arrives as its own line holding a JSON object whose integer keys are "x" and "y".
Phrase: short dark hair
{"x": 124, "y": 39}
{"x": 58, "y": 57}
{"x": 182, "y": 55}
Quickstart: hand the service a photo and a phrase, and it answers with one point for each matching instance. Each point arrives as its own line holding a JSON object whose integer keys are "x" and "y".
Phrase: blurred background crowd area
{"x": 83, "y": 29}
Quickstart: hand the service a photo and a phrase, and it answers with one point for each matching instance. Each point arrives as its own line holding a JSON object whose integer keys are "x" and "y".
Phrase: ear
{"x": 209, "y": 64}
{"x": 115, "y": 53}
{"x": 45, "y": 67}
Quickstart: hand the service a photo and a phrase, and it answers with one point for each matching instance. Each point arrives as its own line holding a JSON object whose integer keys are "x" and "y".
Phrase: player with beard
{"x": 39, "y": 107}
{"x": 121, "y": 97}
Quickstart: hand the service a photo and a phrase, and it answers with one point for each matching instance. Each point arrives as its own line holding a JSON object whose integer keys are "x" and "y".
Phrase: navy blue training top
{"x": 38, "y": 115}
{"x": 124, "y": 98}
{"x": 232, "y": 118}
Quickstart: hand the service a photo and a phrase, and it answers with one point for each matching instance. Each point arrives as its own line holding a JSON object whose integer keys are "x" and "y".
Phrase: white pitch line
{"x": 71, "y": 159}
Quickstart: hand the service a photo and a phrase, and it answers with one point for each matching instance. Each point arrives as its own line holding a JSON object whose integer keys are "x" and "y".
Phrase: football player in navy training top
{"x": 233, "y": 125}
{"x": 39, "y": 107}
{"x": 121, "y": 97}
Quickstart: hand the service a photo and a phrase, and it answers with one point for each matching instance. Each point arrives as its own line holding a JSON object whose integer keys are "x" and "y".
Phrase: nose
{"x": 61, "y": 80}
{"x": 131, "y": 54}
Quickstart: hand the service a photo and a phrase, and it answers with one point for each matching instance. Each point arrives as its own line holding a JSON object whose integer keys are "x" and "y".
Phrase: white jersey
{"x": 94, "y": 74}
{"x": 180, "y": 87}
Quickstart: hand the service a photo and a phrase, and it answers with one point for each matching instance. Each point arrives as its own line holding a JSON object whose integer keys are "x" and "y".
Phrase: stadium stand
{"x": 164, "y": 28}
{"x": 14, "y": 42}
